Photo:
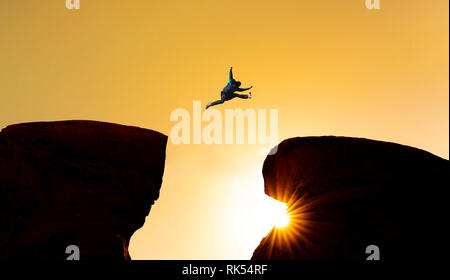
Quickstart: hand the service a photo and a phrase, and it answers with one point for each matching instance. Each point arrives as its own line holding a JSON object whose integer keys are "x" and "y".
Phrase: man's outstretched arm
{"x": 231, "y": 74}
{"x": 243, "y": 89}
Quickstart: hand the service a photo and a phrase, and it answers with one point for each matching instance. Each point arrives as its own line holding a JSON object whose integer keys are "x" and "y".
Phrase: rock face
{"x": 83, "y": 183}
{"x": 345, "y": 194}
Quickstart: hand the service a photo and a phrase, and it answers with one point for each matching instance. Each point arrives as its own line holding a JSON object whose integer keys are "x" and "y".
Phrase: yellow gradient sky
{"x": 331, "y": 67}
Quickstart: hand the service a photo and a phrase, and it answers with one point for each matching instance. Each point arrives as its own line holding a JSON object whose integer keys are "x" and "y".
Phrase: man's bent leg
{"x": 243, "y": 96}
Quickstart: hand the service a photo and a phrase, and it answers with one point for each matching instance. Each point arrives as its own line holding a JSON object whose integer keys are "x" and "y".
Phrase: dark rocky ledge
{"x": 345, "y": 194}
{"x": 83, "y": 183}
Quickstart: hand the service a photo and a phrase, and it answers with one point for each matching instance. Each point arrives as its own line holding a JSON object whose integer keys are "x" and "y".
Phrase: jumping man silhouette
{"x": 229, "y": 90}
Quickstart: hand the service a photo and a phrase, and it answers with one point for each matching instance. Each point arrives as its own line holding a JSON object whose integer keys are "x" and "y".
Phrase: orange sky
{"x": 330, "y": 67}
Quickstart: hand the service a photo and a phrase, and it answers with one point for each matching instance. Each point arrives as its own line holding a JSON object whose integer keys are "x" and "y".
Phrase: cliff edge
{"x": 344, "y": 194}
{"x": 84, "y": 183}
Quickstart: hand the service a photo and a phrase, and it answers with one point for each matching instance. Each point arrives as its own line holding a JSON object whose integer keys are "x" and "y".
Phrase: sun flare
{"x": 276, "y": 213}
{"x": 282, "y": 217}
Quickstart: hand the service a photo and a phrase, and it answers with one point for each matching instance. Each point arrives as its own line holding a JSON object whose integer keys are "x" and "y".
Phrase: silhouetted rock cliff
{"x": 345, "y": 194}
{"x": 83, "y": 183}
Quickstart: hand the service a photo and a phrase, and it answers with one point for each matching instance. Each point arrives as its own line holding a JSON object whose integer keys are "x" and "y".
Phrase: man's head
{"x": 237, "y": 83}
